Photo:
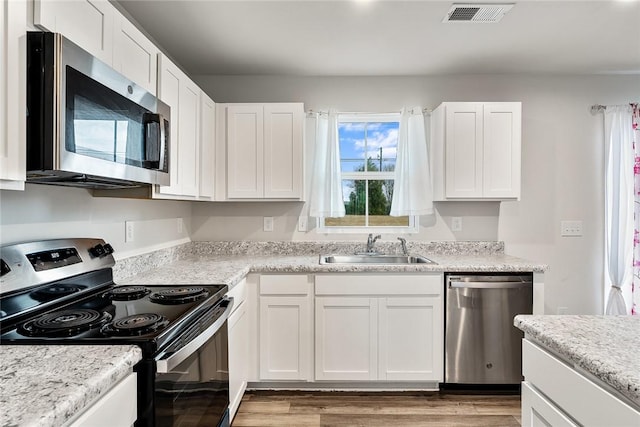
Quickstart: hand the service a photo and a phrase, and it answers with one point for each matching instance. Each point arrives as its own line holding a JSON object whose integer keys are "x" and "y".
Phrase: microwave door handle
{"x": 159, "y": 119}
{"x": 165, "y": 365}
{"x": 163, "y": 141}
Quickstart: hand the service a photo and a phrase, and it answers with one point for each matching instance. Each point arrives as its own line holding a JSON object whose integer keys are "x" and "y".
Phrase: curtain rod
{"x": 424, "y": 111}
{"x": 596, "y": 108}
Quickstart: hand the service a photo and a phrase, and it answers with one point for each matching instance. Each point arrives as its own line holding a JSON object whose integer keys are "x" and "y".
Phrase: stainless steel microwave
{"x": 88, "y": 125}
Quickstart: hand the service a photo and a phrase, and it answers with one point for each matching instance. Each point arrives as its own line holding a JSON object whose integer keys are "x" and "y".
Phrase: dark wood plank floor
{"x": 411, "y": 409}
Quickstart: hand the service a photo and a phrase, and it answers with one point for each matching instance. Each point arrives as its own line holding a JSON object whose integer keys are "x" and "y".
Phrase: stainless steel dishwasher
{"x": 481, "y": 344}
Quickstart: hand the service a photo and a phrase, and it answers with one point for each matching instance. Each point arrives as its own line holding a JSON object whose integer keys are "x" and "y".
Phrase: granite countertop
{"x": 230, "y": 269}
{"x": 600, "y": 345}
{"x": 48, "y": 385}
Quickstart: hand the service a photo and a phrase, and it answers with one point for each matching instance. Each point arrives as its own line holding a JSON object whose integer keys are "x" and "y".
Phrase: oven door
{"x": 192, "y": 384}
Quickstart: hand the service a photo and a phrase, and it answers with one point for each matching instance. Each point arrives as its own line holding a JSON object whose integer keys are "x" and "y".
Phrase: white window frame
{"x": 413, "y": 226}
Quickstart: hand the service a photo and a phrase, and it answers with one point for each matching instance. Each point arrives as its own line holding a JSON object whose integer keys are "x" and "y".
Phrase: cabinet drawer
{"x": 379, "y": 284}
{"x": 284, "y": 284}
{"x": 238, "y": 293}
{"x": 588, "y": 403}
{"x": 118, "y": 407}
{"x": 538, "y": 411}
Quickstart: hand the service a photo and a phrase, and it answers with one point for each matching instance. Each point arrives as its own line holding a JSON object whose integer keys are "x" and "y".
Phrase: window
{"x": 368, "y": 151}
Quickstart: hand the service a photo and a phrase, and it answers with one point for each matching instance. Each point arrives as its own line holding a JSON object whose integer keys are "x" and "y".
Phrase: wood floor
{"x": 450, "y": 409}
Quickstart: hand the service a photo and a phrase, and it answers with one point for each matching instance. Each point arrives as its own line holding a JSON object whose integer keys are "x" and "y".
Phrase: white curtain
{"x": 412, "y": 189}
{"x": 619, "y": 197}
{"x": 326, "y": 182}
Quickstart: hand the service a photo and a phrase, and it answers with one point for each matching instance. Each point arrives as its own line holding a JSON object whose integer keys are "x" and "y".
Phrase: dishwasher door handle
{"x": 489, "y": 285}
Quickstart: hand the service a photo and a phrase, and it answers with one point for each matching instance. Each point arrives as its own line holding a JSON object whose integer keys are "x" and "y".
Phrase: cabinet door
{"x": 238, "y": 355}
{"x": 134, "y": 55}
{"x": 117, "y": 407}
{"x": 285, "y": 332}
{"x": 346, "y": 338}
{"x": 245, "y": 155}
{"x": 410, "y": 339}
{"x": 13, "y": 15}
{"x": 463, "y": 150}
{"x": 169, "y": 76}
{"x": 207, "y": 146}
{"x": 283, "y": 150}
{"x": 189, "y": 138}
{"x": 87, "y": 23}
{"x": 539, "y": 412}
{"x": 501, "y": 147}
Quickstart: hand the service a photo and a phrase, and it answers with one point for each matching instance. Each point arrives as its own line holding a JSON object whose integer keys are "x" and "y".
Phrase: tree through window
{"x": 368, "y": 151}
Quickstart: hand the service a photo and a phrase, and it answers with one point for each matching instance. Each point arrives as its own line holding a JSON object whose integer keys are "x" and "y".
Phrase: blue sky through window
{"x": 360, "y": 140}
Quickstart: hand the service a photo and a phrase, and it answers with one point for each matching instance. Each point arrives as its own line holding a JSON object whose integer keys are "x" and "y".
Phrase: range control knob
{"x": 97, "y": 251}
{"x": 108, "y": 249}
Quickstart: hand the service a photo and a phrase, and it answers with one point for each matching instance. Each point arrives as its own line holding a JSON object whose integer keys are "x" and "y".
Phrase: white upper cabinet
{"x": 476, "y": 150}
{"x": 87, "y": 23}
{"x": 134, "y": 55}
{"x": 100, "y": 29}
{"x": 264, "y": 151}
{"x": 207, "y": 146}
{"x": 13, "y": 15}
{"x": 183, "y": 96}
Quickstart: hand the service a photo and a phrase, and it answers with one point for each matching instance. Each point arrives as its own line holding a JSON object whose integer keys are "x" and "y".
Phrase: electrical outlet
{"x": 302, "y": 223}
{"x": 563, "y": 310}
{"x": 268, "y": 223}
{"x": 179, "y": 225}
{"x": 571, "y": 228}
{"x": 456, "y": 223}
{"x": 129, "y": 231}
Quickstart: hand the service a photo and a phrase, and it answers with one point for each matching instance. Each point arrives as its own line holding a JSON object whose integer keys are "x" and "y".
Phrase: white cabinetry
{"x": 100, "y": 29}
{"x": 118, "y": 407}
{"x": 87, "y": 23}
{"x": 476, "y": 150}
{"x": 13, "y": 31}
{"x": 134, "y": 55}
{"x": 177, "y": 90}
{"x": 207, "y": 147}
{"x": 238, "y": 346}
{"x": 555, "y": 393}
{"x": 379, "y": 327}
{"x": 264, "y": 151}
{"x": 285, "y": 327}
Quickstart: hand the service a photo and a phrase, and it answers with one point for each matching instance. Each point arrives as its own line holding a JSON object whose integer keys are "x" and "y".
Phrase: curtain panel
{"x": 619, "y": 203}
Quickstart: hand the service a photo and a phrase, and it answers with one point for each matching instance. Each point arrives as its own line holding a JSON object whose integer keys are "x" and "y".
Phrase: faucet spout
{"x": 403, "y": 242}
{"x": 371, "y": 241}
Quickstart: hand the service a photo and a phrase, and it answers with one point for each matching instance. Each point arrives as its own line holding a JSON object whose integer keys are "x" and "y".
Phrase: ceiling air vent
{"x": 481, "y": 13}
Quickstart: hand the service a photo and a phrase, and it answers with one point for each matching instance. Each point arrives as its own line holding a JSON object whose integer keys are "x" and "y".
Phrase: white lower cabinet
{"x": 378, "y": 327}
{"x": 346, "y": 338}
{"x": 118, "y": 407}
{"x": 555, "y": 393}
{"x": 285, "y": 332}
{"x": 409, "y": 333}
{"x": 238, "y": 324}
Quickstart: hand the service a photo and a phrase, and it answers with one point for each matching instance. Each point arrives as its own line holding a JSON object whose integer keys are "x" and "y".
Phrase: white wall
{"x": 47, "y": 212}
{"x": 561, "y": 173}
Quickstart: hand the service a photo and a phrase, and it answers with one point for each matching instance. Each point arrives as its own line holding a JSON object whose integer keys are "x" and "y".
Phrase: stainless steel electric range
{"x": 62, "y": 292}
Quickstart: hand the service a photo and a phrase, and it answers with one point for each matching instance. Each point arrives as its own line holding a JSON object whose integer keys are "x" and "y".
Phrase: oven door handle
{"x": 165, "y": 365}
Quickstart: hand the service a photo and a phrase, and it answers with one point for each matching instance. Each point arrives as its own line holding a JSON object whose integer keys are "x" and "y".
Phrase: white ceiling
{"x": 392, "y": 37}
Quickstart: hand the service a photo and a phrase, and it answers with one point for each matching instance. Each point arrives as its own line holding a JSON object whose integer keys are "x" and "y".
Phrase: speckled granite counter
{"x": 230, "y": 269}
{"x": 604, "y": 346}
{"x": 47, "y": 385}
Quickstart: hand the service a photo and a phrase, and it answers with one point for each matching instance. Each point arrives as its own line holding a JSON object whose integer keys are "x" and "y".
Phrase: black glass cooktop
{"x": 116, "y": 313}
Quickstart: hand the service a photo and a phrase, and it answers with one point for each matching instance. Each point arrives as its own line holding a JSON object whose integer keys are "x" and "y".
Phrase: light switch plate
{"x": 302, "y": 223}
{"x": 268, "y": 223}
{"x": 129, "y": 231}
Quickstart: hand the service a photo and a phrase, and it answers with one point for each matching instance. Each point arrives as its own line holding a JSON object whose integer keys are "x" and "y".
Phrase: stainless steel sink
{"x": 375, "y": 259}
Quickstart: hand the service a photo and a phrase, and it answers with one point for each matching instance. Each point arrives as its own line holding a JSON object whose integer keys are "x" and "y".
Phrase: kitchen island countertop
{"x": 47, "y": 385}
{"x": 603, "y": 346}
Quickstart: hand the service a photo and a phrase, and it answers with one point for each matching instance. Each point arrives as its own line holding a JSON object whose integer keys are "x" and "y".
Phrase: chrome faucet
{"x": 403, "y": 242}
{"x": 371, "y": 241}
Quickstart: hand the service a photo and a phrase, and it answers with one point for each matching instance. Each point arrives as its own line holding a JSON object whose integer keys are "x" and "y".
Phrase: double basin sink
{"x": 379, "y": 259}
